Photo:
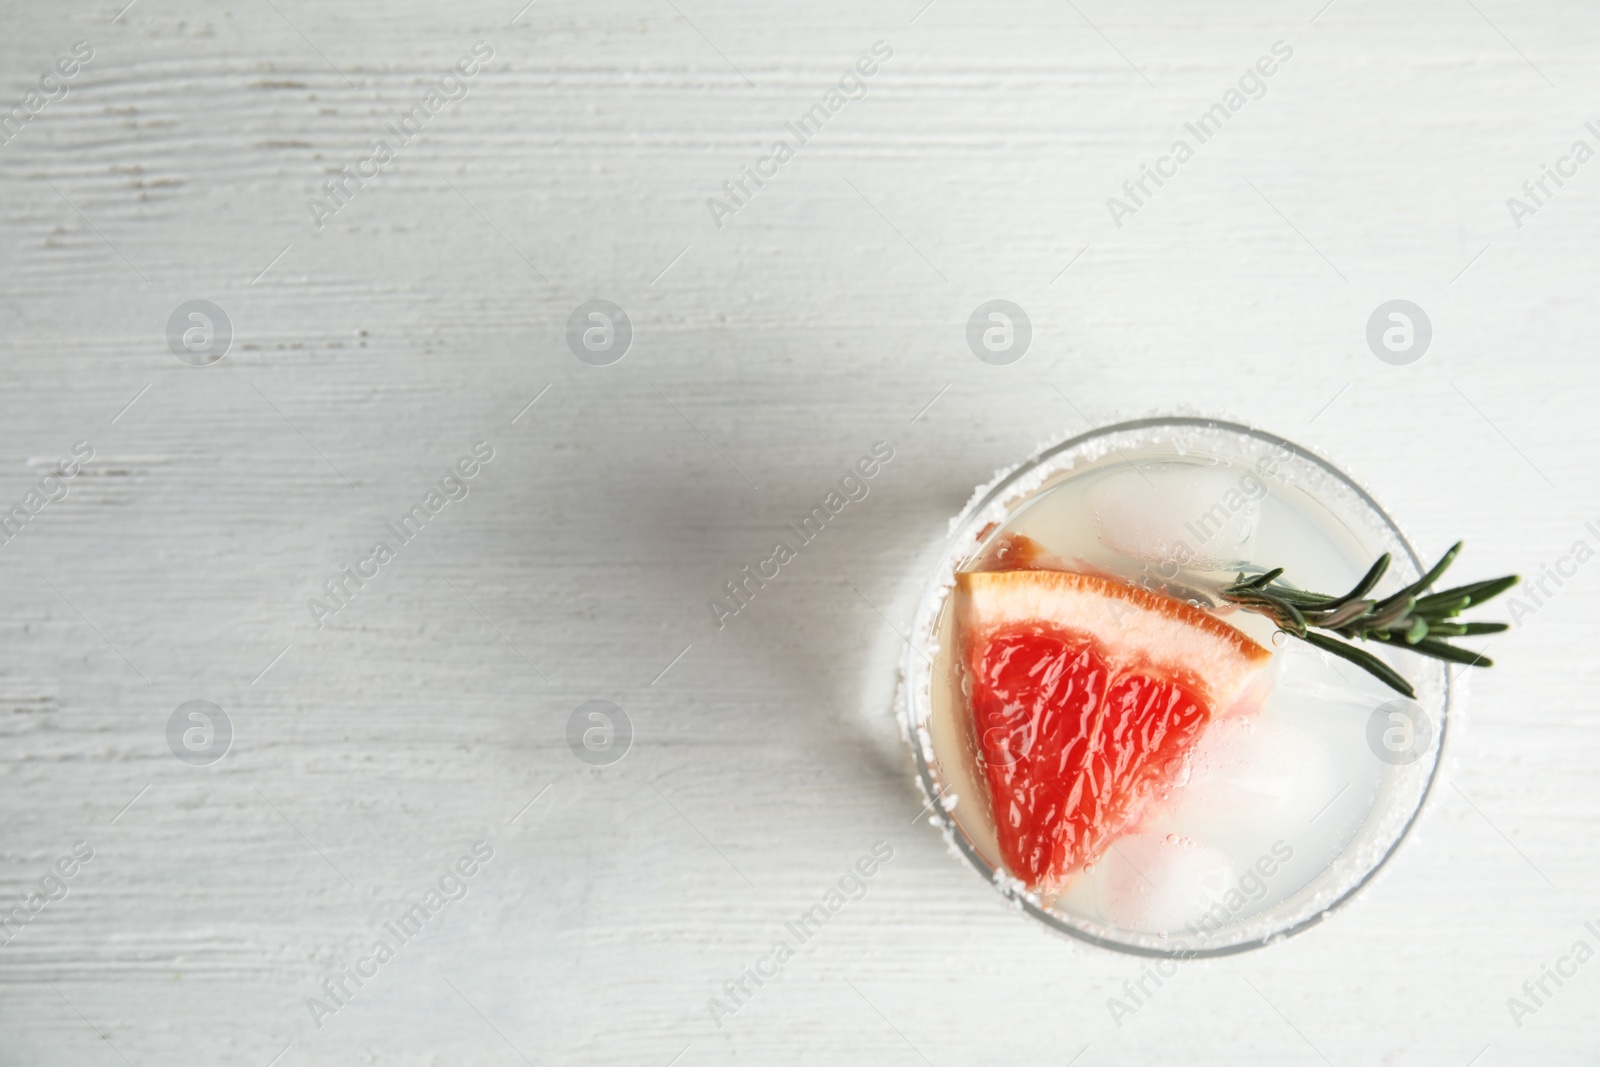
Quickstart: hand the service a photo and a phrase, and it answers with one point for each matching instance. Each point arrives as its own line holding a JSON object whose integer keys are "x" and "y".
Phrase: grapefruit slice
{"x": 1086, "y": 696}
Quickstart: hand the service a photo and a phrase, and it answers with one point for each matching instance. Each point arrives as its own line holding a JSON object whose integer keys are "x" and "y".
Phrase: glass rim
{"x": 935, "y": 590}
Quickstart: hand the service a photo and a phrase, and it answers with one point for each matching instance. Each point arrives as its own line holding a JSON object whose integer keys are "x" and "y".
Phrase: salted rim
{"x": 916, "y": 674}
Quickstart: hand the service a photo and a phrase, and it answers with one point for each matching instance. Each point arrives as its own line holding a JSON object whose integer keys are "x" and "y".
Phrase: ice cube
{"x": 1254, "y": 777}
{"x": 1157, "y": 882}
{"x": 1199, "y": 517}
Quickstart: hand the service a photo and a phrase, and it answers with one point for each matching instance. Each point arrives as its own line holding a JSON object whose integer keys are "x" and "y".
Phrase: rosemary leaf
{"x": 1397, "y": 611}
{"x": 1349, "y": 613}
{"x": 1363, "y": 659}
{"x": 1466, "y": 629}
{"x": 1476, "y": 593}
{"x": 1426, "y": 580}
{"x": 1259, "y": 580}
{"x": 1441, "y": 609}
{"x": 1365, "y": 585}
{"x": 1442, "y": 650}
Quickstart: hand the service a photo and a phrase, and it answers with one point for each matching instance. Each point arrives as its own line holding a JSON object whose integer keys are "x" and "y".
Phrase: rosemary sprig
{"x": 1413, "y": 618}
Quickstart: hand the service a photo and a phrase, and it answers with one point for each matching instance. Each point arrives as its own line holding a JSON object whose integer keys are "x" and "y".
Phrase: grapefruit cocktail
{"x": 1132, "y": 711}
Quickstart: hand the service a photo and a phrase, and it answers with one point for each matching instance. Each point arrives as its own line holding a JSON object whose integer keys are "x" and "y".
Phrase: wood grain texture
{"x": 825, "y": 315}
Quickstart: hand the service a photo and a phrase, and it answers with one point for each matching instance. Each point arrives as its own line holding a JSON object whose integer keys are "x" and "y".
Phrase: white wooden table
{"x": 429, "y": 712}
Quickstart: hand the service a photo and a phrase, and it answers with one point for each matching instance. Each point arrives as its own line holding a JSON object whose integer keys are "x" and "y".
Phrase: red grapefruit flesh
{"x": 1086, "y": 695}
